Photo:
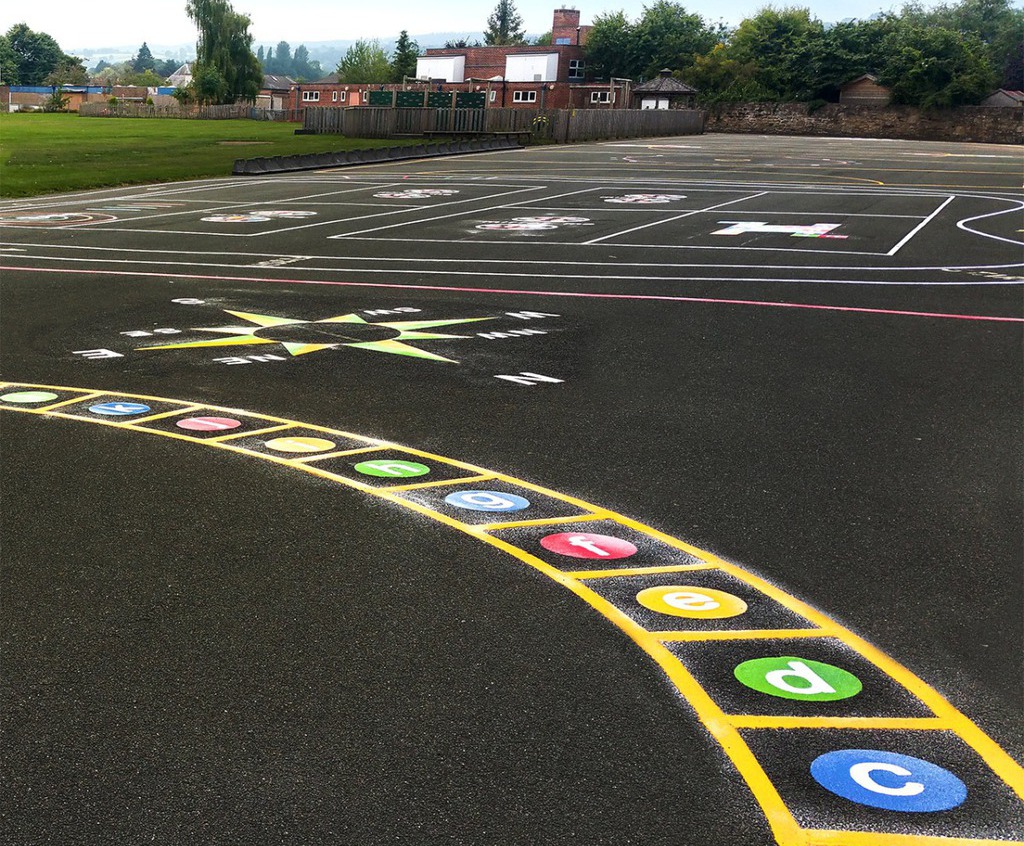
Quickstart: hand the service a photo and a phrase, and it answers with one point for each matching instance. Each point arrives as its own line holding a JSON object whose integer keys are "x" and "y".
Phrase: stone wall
{"x": 967, "y": 123}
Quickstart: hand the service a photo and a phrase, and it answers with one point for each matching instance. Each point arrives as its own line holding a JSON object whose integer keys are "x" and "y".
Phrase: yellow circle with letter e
{"x": 688, "y": 601}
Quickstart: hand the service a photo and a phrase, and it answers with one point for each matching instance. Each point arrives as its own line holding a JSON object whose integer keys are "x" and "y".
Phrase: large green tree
{"x": 225, "y": 69}
{"x": 668, "y": 36}
{"x": 403, "y": 62}
{"x": 29, "y": 57}
{"x": 364, "y": 62}
{"x": 936, "y": 67}
{"x": 504, "y": 25}
{"x": 611, "y": 46}
{"x": 786, "y": 45}
{"x": 143, "y": 60}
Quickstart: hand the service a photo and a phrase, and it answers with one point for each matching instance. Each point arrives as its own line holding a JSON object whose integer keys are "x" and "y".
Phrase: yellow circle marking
{"x": 698, "y": 603}
{"x": 299, "y": 444}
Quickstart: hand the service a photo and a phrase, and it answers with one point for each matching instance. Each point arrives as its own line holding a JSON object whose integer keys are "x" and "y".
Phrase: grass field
{"x": 50, "y": 153}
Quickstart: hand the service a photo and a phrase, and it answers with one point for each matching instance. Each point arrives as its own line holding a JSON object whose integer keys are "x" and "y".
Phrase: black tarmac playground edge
{"x": 650, "y": 492}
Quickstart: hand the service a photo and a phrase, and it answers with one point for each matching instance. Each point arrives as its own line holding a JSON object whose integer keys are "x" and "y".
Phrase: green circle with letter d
{"x": 798, "y": 678}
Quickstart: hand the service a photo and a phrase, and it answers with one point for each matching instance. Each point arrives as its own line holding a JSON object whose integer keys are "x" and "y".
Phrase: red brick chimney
{"x": 565, "y": 28}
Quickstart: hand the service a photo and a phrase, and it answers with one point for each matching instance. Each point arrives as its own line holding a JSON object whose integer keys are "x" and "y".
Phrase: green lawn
{"x": 49, "y": 153}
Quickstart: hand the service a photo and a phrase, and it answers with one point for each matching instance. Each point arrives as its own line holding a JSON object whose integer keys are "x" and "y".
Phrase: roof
{"x": 1018, "y": 96}
{"x": 664, "y": 85}
{"x": 330, "y": 79}
{"x": 869, "y": 77}
{"x": 272, "y": 82}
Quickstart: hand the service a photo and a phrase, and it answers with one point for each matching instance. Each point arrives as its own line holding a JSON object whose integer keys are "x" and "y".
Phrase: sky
{"x": 77, "y": 25}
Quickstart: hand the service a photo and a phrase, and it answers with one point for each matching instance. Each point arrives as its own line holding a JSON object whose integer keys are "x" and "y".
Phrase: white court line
{"x": 788, "y": 280}
{"x": 460, "y": 201}
{"x": 671, "y": 219}
{"x": 456, "y": 214}
{"x": 962, "y": 225}
{"x": 920, "y": 226}
{"x": 479, "y": 261}
{"x": 663, "y": 208}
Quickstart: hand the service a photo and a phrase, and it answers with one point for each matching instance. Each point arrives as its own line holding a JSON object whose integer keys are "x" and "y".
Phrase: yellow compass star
{"x": 301, "y": 337}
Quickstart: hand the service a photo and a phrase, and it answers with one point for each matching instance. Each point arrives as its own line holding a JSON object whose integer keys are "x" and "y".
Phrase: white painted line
{"x": 962, "y": 224}
{"x": 671, "y": 219}
{"x": 449, "y": 216}
{"x": 920, "y": 226}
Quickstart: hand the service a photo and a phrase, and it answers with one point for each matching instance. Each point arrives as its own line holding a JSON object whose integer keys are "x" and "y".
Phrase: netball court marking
{"x": 837, "y": 742}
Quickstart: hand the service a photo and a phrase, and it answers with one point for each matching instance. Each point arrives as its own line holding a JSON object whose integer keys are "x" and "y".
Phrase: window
{"x": 561, "y": 41}
{"x": 576, "y": 68}
{"x": 493, "y": 96}
{"x": 524, "y": 96}
{"x": 310, "y": 96}
{"x": 334, "y": 96}
{"x": 601, "y": 97}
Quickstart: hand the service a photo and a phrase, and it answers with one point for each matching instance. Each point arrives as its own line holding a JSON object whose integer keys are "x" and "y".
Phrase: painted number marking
{"x": 585, "y": 545}
{"x": 119, "y": 409}
{"x": 208, "y": 424}
{"x": 392, "y": 469}
{"x": 888, "y": 780}
{"x": 814, "y": 230}
{"x": 798, "y": 678}
{"x": 692, "y": 602}
{"x": 487, "y": 501}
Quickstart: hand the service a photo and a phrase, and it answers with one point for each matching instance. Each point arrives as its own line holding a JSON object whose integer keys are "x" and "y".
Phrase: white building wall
{"x": 532, "y": 67}
{"x": 448, "y": 68}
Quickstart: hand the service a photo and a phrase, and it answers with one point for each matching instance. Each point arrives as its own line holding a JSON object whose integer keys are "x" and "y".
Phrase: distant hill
{"x": 328, "y": 53}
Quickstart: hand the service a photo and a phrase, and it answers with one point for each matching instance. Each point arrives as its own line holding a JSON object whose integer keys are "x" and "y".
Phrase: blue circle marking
{"x": 888, "y": 781}
{"x": 487, "y": 501}
{"x": 119, "y": 409}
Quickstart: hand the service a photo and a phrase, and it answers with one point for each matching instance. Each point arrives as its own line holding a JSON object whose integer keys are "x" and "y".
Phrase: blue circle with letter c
{"x": 888, "y": 781}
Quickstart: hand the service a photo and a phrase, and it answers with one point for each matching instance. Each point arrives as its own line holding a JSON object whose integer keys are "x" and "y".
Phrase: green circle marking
{"x": 29, "y": 397}
{"x": 798, "y": 678}
{"x": 391, "y": 469}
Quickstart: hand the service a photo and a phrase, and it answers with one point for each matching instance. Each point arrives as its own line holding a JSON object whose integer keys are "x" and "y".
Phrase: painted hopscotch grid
{"x": 839, "y": 744}
{"x": 563, "y": 219}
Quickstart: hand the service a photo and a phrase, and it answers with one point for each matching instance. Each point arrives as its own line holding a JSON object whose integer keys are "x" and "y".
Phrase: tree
{"x": 224, "y": 59}
{"x": 786, "y": 45}
{"x": 8, "y": 63}
{"x": 936, "y": 67}
{"x": 32, "y": 55}
{"x": 143, "y": 60}
{"x": 461, "y": 44}
{"x": 720, "y": 78}
{"x": 610, "y": 48}
{"x": 365, "y": 62}
{"x": 667, "y": 36}
{"x": 302, "y": 68}
{"x": 544, "y": 40}
{"x": 282, "y": 59}
{"x": 69, "y": 71}
{"x": 403, "y": 62}
{"x": 261, "y": 58}
{"x": 504, "y": 25}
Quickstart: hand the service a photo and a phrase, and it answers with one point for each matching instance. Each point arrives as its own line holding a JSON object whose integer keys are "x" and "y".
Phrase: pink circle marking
{"x": 585, "y": 545}
{"x": 208, "y": 424}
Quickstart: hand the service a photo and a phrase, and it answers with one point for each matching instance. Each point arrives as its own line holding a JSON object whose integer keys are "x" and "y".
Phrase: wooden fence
{"x": 561, "y": 125}
{"x": 142, "y": 110}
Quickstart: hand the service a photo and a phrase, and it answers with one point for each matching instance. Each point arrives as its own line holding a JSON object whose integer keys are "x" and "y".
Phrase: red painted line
{"x": 580, "y": 294}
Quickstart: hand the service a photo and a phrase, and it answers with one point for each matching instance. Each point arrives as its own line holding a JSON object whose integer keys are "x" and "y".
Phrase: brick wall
{"x": 967, "y": 123}
{"x": 486, "y": 62}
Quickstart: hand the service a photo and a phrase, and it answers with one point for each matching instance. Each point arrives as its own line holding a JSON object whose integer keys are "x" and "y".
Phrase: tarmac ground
{"x": 663, "y": 491}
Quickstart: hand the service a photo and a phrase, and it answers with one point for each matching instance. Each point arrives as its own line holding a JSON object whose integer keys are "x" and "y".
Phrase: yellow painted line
{"x": 784, "y": 826}
{"x": 266, "y": 430}
{"x": 825, "y": 837}
{"x": 188, "y": 409}
{"x": 638, "y": 571}
{"x": 750, "y": 721}
{"x": 742, "y": 634}
{"x": 545, "y": 521}
{"x": 438, "y": 483}
{"x": 80, "y": 398}
{"x": 338, "y": 454}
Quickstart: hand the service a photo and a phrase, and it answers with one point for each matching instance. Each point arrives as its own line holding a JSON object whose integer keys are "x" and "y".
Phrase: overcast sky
{"x": 77, "y": 25}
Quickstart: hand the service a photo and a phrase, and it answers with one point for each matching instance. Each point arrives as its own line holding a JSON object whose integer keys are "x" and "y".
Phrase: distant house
{"x": 864, "y": 91}
{"x": 274, "y": 92}
{"x": 665, "y": 92}
{"x": 1004, "y": 97}
{"x": 182, "y": 77}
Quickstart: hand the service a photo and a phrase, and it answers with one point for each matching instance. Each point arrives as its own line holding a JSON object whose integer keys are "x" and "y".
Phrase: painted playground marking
{"x": 53, "y": 220}
{"x": 757, "y": 665}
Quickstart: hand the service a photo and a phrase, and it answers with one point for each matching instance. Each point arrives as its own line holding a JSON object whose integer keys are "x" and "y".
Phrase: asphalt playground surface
{"x": 519, "y": 498}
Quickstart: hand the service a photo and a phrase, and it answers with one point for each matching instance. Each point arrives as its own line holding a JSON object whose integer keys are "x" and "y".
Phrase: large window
{"x": 576, "y": 68}
{"x": 310, "y": 96}
{"x": 524, "y": 96}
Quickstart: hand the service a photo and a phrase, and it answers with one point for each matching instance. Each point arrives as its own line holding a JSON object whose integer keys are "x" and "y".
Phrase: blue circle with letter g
{"x": 889, "y": 781}
{"x": 487, "y": 501}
